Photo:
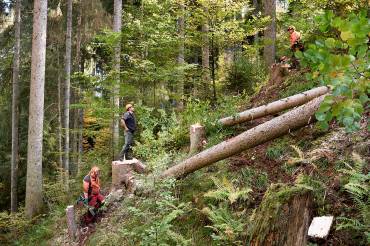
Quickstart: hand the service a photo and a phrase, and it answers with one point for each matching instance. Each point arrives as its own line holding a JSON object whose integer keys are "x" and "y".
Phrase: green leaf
{"x": 346, "y": 35}
{"x": 320, "y": 116}
{"x": 330, "y": 43}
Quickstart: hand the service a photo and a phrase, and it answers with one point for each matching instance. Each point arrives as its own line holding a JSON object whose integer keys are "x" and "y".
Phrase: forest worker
{"x": 91, "y": 188}
{"x": 128, "y": 123}
{"x": 295, "y": 39}
{"x": 295, "y": 44}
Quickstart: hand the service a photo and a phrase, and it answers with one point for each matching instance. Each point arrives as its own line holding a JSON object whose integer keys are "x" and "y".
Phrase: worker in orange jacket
{"x": 295, "y": 44}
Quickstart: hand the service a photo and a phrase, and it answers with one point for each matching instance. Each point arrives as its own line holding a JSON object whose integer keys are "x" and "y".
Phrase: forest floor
{"x": 324, "y": 152}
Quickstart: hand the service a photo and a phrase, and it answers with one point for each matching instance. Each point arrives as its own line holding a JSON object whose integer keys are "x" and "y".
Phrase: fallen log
{"x": 274, "y": 128}
{"x": 275, "y": 107}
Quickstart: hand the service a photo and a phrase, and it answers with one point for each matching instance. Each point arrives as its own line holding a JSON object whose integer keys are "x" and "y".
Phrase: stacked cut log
{"x": 122, "y": 174}
{"x": 269, "y": 130}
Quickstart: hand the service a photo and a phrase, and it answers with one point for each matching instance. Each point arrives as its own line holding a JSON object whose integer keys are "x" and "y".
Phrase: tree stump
{"x": 122, "y": 174}
{"x": 197, "y": 138}
{"x": 283, "y": 217}
{"x": 71, "y": 223}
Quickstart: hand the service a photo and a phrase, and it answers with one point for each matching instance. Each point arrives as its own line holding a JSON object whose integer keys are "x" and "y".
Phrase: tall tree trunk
{"x": 274, "y": 128}
{"x": 269, "y": 9}
{"x": 60, "y": 127}
{"x": 79, "y": 116}
{"x": 205, "y": 55}
{"x": 15, "y": 108}
{"x": 67, "y": 86}
{"x": 181, "y": 55}
{"x": 36, "y": 111}
{"x": 255, "y": 12}
{"x": 213, "y": 71}
{"x": 117, "y": 24}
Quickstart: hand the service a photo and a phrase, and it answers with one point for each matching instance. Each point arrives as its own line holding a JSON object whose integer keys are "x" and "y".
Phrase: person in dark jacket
{"x": 128, "y": 123}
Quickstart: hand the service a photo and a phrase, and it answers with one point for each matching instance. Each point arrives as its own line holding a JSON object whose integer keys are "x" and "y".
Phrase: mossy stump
{"x": 283, "y": 218}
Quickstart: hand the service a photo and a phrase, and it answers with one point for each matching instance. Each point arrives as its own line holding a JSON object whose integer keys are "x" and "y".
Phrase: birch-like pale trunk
{"x": 67, "y": 87}
{"x": 267, "y": 131}
{"x": 15, "y": 109}
{"x": 34, "y": 201}
{"x": 269, "y": 51}
{"x": 117, "y": 25}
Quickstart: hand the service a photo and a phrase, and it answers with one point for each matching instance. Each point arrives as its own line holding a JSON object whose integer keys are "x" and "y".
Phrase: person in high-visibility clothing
{"x": 295, "y": 44}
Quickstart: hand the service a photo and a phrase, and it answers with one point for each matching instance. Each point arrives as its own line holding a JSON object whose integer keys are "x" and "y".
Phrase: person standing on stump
{"x": 128, "y": 123}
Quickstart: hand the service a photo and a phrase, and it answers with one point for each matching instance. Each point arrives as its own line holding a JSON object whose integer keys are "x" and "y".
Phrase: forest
{"x": 185, "y": 122}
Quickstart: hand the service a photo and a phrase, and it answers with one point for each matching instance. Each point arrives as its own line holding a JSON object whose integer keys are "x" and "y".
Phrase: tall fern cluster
{"x": 358, "y": 188}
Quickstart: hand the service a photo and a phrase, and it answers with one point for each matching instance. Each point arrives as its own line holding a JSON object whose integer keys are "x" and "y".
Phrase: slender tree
{"x": 181, "y": 55}
{"x": 36, "y": 111}
{"x": 15, "y": 108}
{"x": 78, "y": 118}
{"x": 205, "y": 53}
{"x": 67, "y": 85}
{"x": 60, "y": 130}
{"x": 269, "y": 9}
{"x": 117, "y": 24}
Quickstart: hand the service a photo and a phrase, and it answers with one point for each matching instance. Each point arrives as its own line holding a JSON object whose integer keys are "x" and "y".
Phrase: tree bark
{"x": 197, "y": 136}
{"x": 36, "y": 111}
{"x": 274, "y": 107}
{"x": 205, "y": 54}
{"x": 15, "y": 109}
{"x": 181, "y": 55}
{"x": 283, "y": 217}
{"x": 79, "y": 117}
{"x": 71, "y": 222}
{"x": 274, "y": 128}
{"x": 67, "y": 87}
{"x": 117, "y": 25}
{"x": 269, "y": 9}
{"x": 60, "y": 127}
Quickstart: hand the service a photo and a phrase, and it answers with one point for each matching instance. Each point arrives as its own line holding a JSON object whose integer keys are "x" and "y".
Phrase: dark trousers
{"x": 129, "y": 139}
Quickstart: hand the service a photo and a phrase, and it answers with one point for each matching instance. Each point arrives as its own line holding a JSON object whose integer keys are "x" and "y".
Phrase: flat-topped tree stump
{"x": 197, "y": 138}
{"x": 283, "y": 217}
{"x": 71, "y": 222}
{"x": 122, "y": 173}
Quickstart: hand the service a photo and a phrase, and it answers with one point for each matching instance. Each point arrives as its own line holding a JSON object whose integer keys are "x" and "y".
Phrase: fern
{"x": 226, "y": 191}
{"x": 227, "y": 226}
{"x": 358, "y": 188}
